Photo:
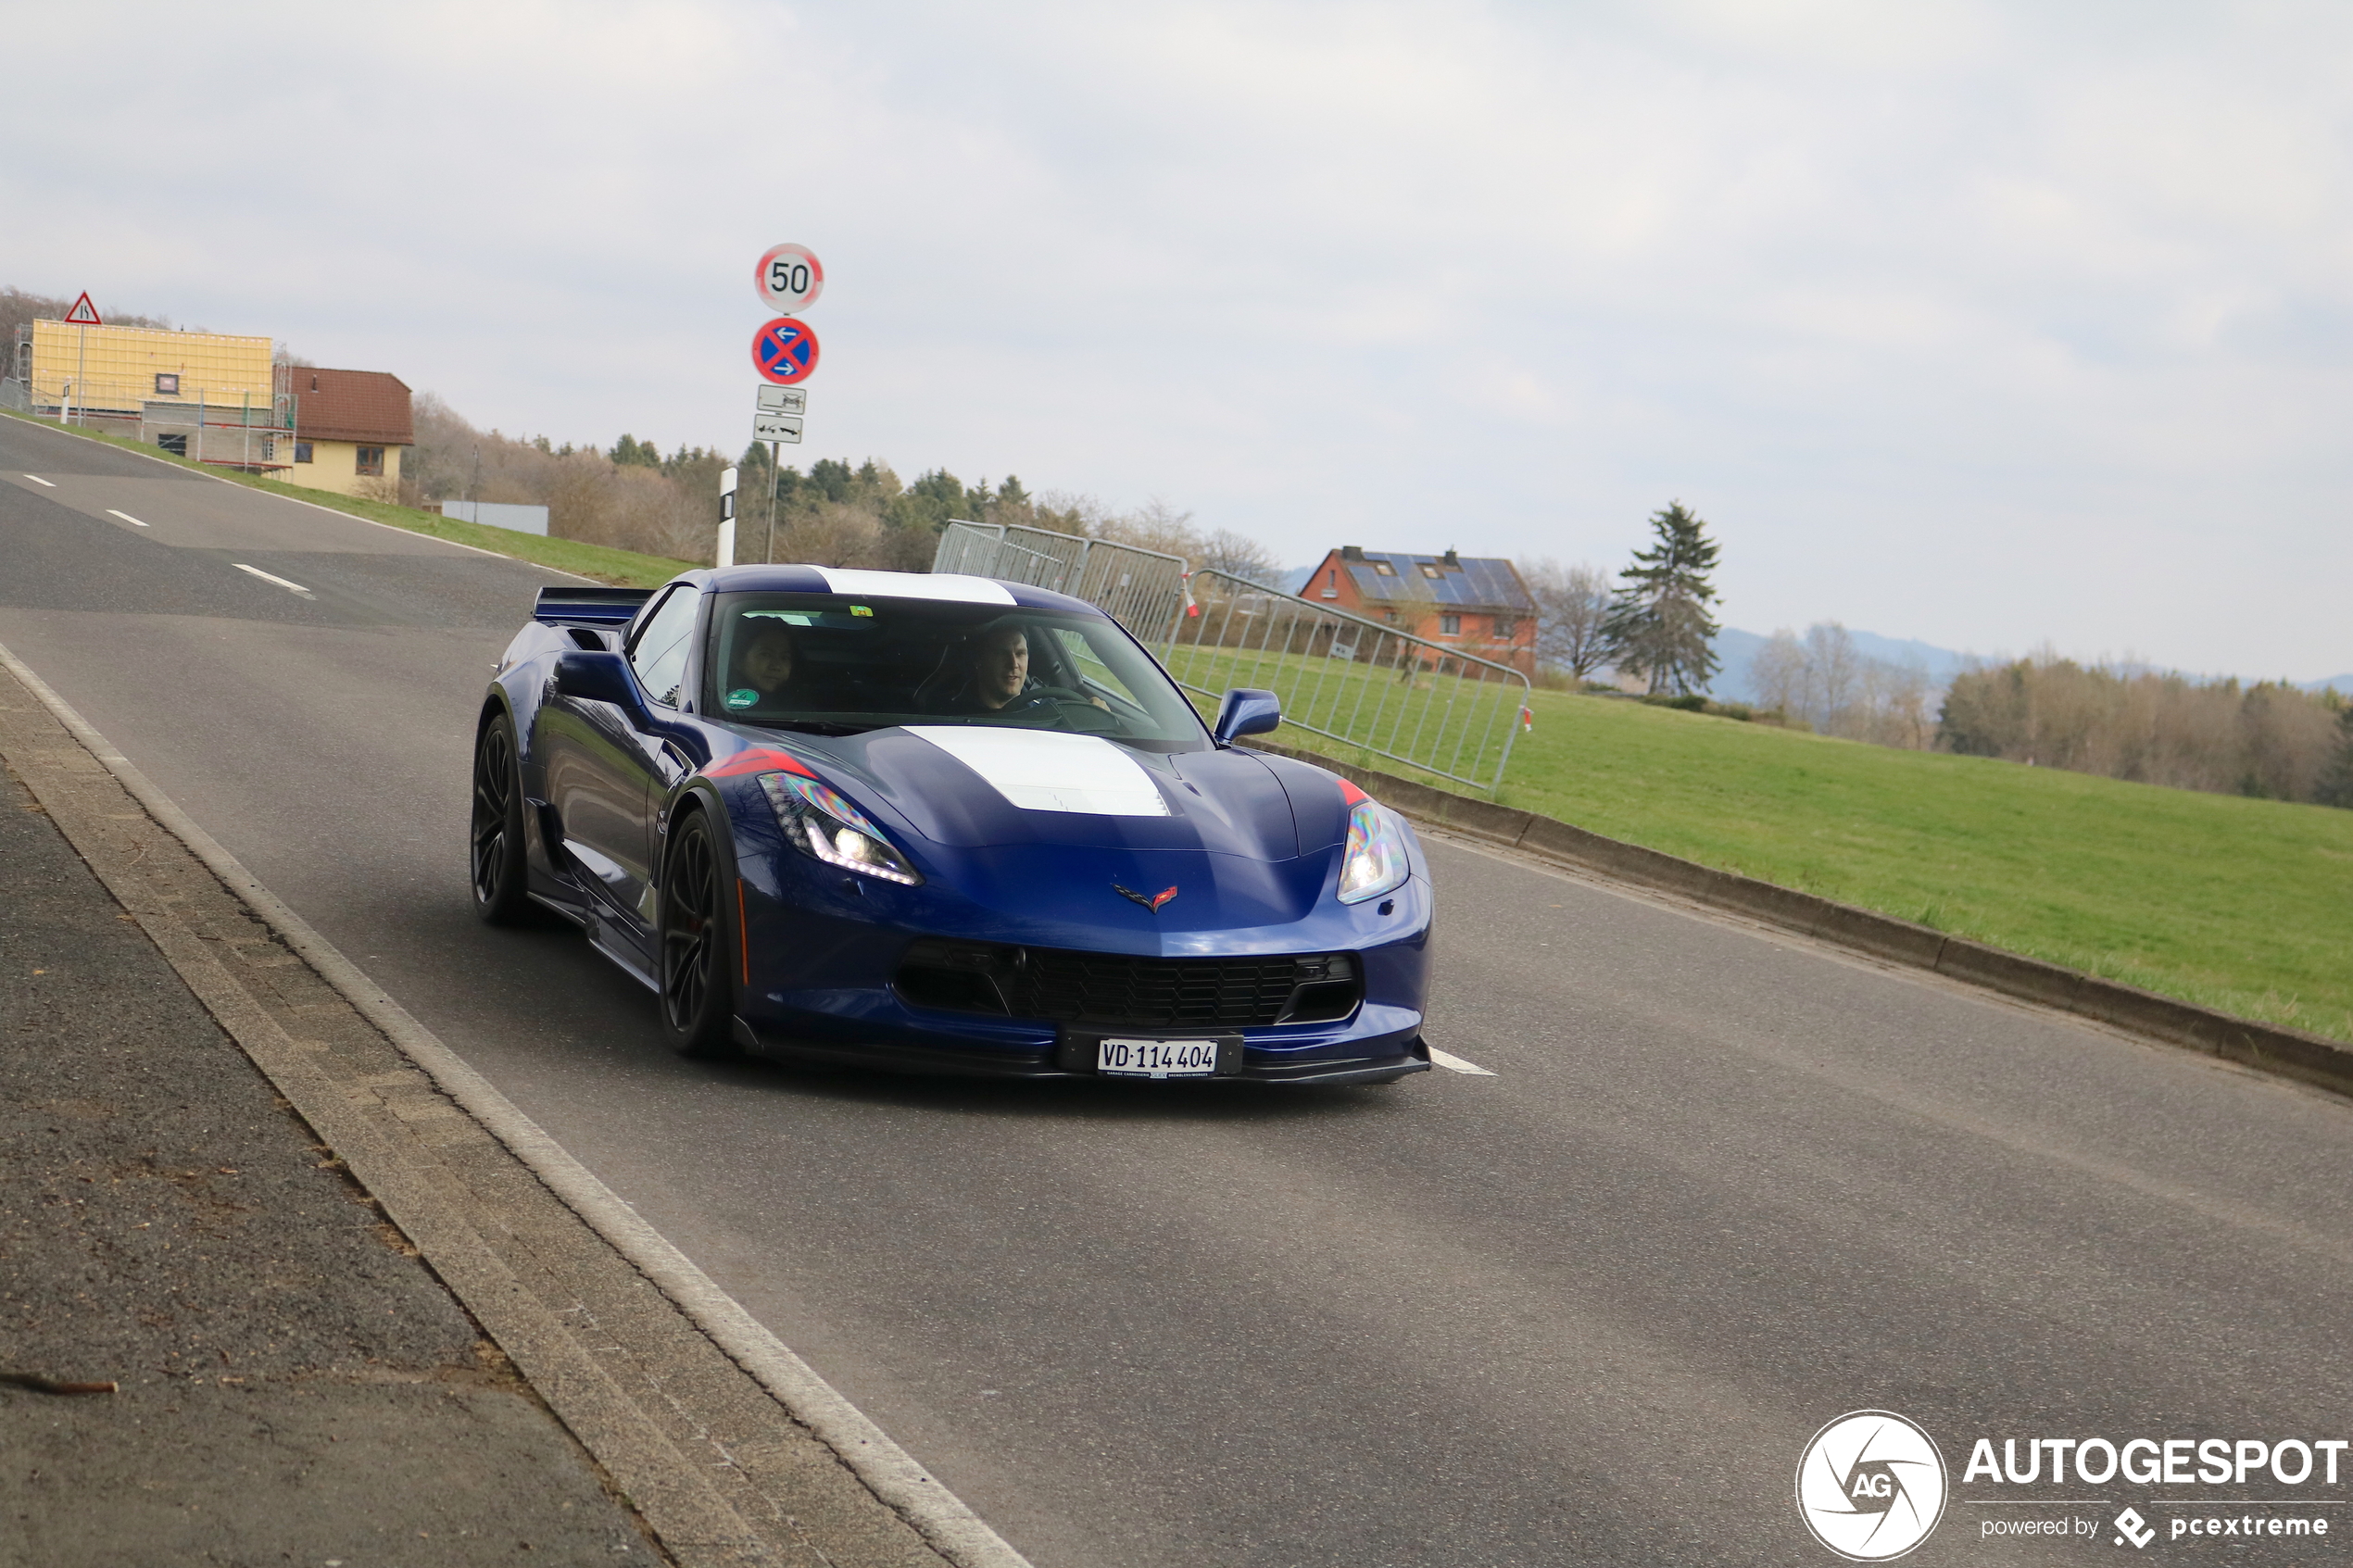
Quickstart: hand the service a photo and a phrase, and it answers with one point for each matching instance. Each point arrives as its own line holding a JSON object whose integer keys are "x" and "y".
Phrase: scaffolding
{"x": 203, "y": 395}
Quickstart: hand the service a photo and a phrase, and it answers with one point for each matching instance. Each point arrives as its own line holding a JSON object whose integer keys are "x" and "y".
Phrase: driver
{"x": 1001, "y": 678}
{"x": 1000, "y": 668}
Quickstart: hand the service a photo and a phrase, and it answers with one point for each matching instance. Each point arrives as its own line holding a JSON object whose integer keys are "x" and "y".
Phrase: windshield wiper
{"x": 815, "y": 726}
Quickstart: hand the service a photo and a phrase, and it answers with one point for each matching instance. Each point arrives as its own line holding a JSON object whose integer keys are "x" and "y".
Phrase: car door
{"x": 603, "y": 763}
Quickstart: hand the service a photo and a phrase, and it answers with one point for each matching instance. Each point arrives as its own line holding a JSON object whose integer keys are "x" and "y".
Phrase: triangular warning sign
{"x": 83, "y": 313}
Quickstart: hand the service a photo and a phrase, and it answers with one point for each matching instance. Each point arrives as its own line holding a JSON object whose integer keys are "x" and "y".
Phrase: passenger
{"x": 763, "y": 666}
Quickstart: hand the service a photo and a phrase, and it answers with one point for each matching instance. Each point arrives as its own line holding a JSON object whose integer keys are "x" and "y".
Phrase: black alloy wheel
{"x": 500, "y": 878}
{"x": 697, "y": 950}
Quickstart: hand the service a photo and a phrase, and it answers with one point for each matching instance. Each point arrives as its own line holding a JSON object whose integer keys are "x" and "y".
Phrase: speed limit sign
{"x": 789, "y": 279}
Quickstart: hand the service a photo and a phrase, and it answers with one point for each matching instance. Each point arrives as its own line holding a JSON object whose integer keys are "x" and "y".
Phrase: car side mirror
{"x": 597, "y": 677}
{"x": 1247, "y": 711}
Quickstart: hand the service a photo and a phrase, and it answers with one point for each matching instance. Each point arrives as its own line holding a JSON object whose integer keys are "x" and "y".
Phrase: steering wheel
{"x": 1075, "y": 709}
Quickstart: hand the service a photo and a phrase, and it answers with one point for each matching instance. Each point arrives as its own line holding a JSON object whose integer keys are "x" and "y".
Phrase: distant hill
{"x": 1737, "y": 649}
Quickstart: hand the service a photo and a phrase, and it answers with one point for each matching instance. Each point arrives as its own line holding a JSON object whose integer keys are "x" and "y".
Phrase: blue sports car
{"x": 941, "y": 825}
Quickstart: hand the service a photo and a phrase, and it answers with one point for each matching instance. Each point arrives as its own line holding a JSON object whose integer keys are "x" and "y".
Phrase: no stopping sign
{"x": 785, "y": 351}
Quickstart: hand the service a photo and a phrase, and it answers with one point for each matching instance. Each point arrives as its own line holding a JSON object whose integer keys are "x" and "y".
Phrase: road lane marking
{"x": 266, "y": 577}
{"x": 1453, "y": 1064}
{"x": 126, "y": 517}
{"x": 38, "y": 480}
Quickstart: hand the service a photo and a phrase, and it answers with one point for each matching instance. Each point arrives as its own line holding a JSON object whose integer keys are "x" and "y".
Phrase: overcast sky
{"x": 1985, "y": 324}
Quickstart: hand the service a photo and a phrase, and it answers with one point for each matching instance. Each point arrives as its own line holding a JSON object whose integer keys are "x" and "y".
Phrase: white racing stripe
{"x": 266, "y": 577}
{"x": 914, "y": 585}
{"x": 1453, "y": 1064}
{"x": 1049, "y": 770}
{"x": 38, "y": 480}
{"x": 126, "y": 517}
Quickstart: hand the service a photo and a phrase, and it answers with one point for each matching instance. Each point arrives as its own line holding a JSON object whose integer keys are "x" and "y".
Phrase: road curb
{"x": 887, "y": 1470}
{"x": 2288, "y": 1053}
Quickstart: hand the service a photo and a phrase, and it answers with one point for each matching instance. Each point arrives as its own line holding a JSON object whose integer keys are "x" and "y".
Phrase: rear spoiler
{"x": 589, "y": 606}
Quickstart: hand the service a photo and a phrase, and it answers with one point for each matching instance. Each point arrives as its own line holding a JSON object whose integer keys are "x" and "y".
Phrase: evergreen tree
{"x": 932, "y": 500}
{"x": 2336, "y": 784}
{"x": 630, "y": 452}
{"x": 1659, "y": 626}
{"x": 831, "y": 478}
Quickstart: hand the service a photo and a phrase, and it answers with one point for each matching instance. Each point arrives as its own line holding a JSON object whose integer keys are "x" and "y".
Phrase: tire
{"x": 697, "y": 944}
{"x": 501, "y": 875}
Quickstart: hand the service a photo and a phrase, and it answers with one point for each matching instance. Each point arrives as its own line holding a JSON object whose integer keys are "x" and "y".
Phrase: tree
{"x": 2337, "y": 783}
{"x": 1658, "y": 625}
{"x": 1238, "y": 556}
{"x": 1571, "y": 603}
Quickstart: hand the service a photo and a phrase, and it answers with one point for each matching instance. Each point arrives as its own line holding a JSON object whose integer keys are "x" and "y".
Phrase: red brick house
{"x": 1475, "y": 603}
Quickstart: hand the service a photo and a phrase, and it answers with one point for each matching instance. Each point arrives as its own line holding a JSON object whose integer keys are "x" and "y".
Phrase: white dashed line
{"x": 1453, "y": 1064}
{"x": 282, "y": 583}
{"x": 126, "y": 517}
{"x": 38, "y": 480}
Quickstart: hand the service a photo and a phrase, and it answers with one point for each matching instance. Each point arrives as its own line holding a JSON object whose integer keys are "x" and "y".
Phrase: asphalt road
{"x": 1723, "y": 1186}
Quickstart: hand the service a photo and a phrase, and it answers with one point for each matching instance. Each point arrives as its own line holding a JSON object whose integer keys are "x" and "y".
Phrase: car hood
{"x": 988, "y": 786}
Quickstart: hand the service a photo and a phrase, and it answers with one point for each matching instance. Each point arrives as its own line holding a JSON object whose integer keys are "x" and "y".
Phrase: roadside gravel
{"x": 294, "y": 1383}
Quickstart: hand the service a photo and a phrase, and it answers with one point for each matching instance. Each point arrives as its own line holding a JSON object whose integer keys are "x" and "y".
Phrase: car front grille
{"x": 1116, "y": 991}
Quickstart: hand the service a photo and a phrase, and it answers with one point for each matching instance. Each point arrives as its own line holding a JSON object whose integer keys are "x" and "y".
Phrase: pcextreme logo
{"x": 1870, "y": 1485}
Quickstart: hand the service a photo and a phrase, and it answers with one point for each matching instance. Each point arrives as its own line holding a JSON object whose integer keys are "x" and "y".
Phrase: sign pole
{"x": 775, "y": 482}
{"x": 81, "y": 375}
{"x": 726, "y": 553}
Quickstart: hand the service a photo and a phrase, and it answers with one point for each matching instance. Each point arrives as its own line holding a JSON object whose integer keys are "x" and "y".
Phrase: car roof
{"x": 783, "y": 579}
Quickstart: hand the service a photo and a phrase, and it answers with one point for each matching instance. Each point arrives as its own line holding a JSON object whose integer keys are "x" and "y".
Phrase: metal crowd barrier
{"x": 1143, "y": 590}
{"x": 1351, "y": 680}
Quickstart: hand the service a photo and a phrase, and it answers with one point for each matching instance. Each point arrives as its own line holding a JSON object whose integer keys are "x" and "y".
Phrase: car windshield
{"x": 837, "y": 664}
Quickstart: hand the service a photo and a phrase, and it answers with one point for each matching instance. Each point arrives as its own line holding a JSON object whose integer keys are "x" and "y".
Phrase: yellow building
{"x": 123, "y": 370}
{"x": 349, "y": 430}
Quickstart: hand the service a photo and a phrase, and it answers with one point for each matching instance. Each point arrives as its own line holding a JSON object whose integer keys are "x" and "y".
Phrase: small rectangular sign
{"x": 785, "y": 428}
{"x": 783, "y": 400}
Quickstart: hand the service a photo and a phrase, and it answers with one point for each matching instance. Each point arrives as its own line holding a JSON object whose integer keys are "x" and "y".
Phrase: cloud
{"x": 1981, "y": 323}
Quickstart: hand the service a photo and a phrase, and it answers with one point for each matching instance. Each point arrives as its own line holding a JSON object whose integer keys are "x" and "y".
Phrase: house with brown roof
{"x": 350, "y": 428}
{"x": 1475, "y": 603}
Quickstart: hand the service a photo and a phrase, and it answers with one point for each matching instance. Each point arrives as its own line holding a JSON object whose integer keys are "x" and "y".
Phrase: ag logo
{"x": 1870, "y": 1485}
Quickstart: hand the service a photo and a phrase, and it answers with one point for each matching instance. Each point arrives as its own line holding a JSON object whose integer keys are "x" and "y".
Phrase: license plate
{"x": 1156, "y": 1058}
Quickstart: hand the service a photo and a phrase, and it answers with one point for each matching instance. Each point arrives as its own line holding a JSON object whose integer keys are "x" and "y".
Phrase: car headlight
{"x": 1376, "y": 861}
{"x": 820, "y": 822}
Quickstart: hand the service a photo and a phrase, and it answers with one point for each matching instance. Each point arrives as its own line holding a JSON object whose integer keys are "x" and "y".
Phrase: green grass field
{"x": 2244, "y": 906}
{"x": 624, "y": 569}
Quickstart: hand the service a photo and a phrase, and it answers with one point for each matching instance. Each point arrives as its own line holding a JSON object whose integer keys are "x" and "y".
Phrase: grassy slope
{"x": 2242, "y": 905}
{"x": 624, "y": 569}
